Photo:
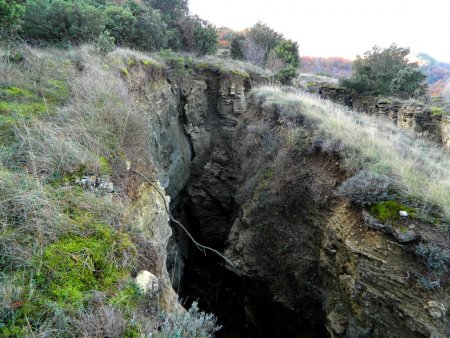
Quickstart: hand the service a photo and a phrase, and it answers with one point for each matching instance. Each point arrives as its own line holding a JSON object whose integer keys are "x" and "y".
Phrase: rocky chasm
{"x": 307, "y": 265}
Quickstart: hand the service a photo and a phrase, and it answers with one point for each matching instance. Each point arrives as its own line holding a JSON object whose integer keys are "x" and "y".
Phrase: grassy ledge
{"x": 417, "y": 169}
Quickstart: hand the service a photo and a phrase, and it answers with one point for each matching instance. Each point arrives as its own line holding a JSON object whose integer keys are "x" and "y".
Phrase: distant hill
{"x": 336, "y": 67}
{"x": 438, "y": 75}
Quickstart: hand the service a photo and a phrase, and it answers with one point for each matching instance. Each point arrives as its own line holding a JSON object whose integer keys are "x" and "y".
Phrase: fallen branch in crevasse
{"x": 201, "y": 247}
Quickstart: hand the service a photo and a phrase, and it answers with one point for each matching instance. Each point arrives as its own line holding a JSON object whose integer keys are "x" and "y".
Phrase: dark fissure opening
{"x": 243, "y": 305}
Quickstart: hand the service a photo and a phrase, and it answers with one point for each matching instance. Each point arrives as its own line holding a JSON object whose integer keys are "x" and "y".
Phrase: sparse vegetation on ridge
{"x": 417, "y": 168}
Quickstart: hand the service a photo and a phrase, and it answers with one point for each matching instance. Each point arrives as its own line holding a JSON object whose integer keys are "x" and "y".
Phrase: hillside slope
{"x": 302, "y": 195}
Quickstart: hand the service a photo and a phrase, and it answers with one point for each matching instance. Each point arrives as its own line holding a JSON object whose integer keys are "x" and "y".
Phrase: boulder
{"x": 147, "y": 282}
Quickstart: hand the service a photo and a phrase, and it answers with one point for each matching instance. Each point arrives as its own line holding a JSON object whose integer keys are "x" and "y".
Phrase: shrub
{"x": 192, "y": 323}
{"x": 386, "y": 72}
{"x": 106, "y": 321}
{"x": 236, "y": 47}
{"x": 11, "y": 13}
{"x": 105, "y": 43}
{"x": 408, "y": 83}
{"x": 435, "y": 257}
{"x": 120, "y": 23}
{"x": 62, "y": 22}
{"x": 264, "y": 36}
{"x": 199, "y": 36}
{"x": 286, "y": 74}
{"x": 366, "y": 188}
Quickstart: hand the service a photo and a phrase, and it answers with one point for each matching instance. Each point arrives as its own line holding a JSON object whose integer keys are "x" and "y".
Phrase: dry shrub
{"x": 106, "y": 321}
{"x": 254, "y": 52}
{"x": 366, "y": 188}
{"x": 192, "y": 323}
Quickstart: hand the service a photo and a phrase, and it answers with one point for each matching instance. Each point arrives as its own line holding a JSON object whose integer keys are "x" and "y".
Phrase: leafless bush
{"x": 274, "y": 63}
{"x": 366, "y": 188}
{"x": 253, "y": 52}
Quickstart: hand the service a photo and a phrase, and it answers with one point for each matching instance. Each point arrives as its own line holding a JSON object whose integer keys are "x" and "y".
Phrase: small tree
{"x": 199, "y": 36}
{"x": 150, "y": 31}
{"x": 11, "y": 14}
{"x": 236, "y": 46}
{"x": 385, "y": 72}
{"x": 174, "y": 9}
{"x": 287, "y": 52}
{"x": 120, "y": 22}
{"x": 254, "y": 52}
{"x": 408, "y": 83}
{"x": 62, "y": 22}
{"x": 264, "y": 36}
{"x": 105, "y": 43}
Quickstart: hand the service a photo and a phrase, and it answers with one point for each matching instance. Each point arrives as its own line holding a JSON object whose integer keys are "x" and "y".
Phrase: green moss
{"x": 15, "y": 91}
{"x": 76, "y": 265}
{"x": 68, "y": 270}
{"x": 239, "y": 73}
{"x": 24, "y": 109}
{"x": 389, "y": 211}
{"x": 105, "y": 166}
{"x": 124, "y": 71}
{"x": 437, "y": 110}
{"x": 146, "y": 62}
{"x": 202, "y": 65}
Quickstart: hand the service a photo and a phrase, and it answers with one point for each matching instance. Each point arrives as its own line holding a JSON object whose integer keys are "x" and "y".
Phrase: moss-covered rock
{"x": 389, "y": 211}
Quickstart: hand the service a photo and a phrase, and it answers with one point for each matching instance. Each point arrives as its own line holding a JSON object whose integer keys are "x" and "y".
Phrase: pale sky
{"x": 341, "y": 27}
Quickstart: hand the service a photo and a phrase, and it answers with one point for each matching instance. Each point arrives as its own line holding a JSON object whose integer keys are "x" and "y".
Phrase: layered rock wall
{"x": 306, "y": 260}
{"x": 410, "y": 115}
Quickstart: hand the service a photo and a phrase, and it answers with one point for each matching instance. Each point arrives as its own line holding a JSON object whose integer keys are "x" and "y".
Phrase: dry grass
{"x": 102, "y": 119}
{"x": 418, "y": 167}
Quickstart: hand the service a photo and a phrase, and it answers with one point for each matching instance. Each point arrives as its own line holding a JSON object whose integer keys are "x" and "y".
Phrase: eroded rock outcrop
{"x": 371, "y": 285}
{"x": 308, "y": 263}
{"x": 410, "y": 115}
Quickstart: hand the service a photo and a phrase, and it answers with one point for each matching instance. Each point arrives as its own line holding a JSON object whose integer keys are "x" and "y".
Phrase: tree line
{"x": 147, "y": 25}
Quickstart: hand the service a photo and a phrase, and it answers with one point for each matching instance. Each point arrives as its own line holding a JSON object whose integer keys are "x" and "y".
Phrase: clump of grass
{"x": 418, "y": 168}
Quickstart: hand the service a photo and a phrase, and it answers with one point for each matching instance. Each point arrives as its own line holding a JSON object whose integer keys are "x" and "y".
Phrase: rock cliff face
{"x": 370, "y": 284}
{"x": 410, "y": 115}
{"x": 308, "y": 265}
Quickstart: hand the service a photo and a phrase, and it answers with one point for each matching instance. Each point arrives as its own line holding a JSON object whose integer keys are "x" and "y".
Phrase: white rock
{"x": 403, "y": 213}
{"x": 147, "y": 282}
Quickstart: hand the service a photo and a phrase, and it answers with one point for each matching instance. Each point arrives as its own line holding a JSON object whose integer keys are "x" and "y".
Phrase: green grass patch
{"x": 24, "y": 109}
{"x": 15, "y": 91}
{"x": 75, "y": 265}
{"x": 437, "y": 110}
{"x": 128, "y": 297}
